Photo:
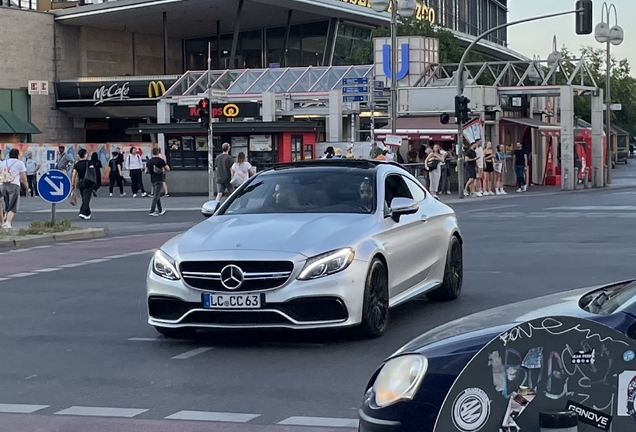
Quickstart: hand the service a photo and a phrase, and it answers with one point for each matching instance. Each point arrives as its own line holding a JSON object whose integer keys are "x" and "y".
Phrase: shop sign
{"x": 260, "y": 143}
{"x": 220, "y": 111}
{"x": 422, "y": 11}
{"x": 113, "y": 92}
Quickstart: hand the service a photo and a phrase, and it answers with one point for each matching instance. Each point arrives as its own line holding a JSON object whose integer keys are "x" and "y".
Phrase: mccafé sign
{"x": 422, "y": 11}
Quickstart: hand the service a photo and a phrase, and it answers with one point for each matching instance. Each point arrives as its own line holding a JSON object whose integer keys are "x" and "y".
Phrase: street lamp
{"x": 603, "y": 33}
{"x": 405, "y": 9}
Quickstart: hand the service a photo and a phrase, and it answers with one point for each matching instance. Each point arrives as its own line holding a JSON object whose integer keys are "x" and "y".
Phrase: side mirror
{"x": 209, "y": 208}
{"x": 403, "y": 206}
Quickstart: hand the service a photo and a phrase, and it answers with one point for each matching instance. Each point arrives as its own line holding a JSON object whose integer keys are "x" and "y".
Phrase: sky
{"x": 535, "y": 38}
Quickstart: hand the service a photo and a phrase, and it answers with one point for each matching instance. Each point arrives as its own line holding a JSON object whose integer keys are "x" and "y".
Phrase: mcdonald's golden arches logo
{"x": 231, "y": 110}
{"x": 156, "y": 89}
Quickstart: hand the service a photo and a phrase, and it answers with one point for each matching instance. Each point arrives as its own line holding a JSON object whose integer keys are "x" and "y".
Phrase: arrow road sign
{"x": 355, "y": 81}
{"x": 54, "y": 186}
{"x": 358, "y": 89}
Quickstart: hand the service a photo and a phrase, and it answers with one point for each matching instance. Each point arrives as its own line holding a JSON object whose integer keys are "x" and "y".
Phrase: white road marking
{"x": 142, "y": 339}
{"x": 490, "y": 208}
{"x": 213, "y": 416}
{"x": 320, "y": 421}
{"x": 21, "y": 408}
{"x": 95, "y": 261}
{"x": 117, "y": 210}
{"x": 71, "y": 265}
{"x": 3, "y": 279}
{"x": 192, "y": 353}
{"x": 595, "y": 208}
{"x": 116, "y": 256}
{"x": 101, "y": 411}
{"x": 48, "y": 270}
{"x": 19, "y": 275}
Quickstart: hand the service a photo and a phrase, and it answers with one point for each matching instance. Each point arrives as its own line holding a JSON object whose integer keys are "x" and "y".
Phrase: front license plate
{"x": 231, "y": 301}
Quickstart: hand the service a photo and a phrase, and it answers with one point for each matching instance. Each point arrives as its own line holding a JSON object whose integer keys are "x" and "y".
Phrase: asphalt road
{"x": 74, "y": 338}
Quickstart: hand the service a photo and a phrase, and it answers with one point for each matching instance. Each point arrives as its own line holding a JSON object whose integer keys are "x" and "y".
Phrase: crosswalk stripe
{"x": 320, "y": 421}
{"x": 21, "y": 408}
{"x": 101, "y": 411}
{"x": 212, "y": 416}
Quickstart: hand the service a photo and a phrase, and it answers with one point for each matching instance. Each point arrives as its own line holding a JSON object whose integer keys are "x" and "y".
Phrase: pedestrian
{"x": 433, "y": 164}
{"x": 450, "y": 159}
{"x": 134, "y": 164}
{"x": 489, "y": 159}
{"x": 115, "y": 177}
{"x": 157, "y": 169}
{"x": 165, "y": 184}
{"x": 84, "y": 177}
{"x": 499, "y": 167}
{"x": 241, "y": 170}
{"x": 470, "y": 159}
{"x": 12, "y": 175}
{"x": 329, "y": 153}
{"x": 338, "y": 154}
{"x": 32, "y": 168}
{"x": 350, "y": 154}
{"x": 224, "y": 163}
{"x": 521, "y": 166}
{"x": 479, "y": 151}
{"x": 64, "y": 161}
{"x": 98, "y": 172}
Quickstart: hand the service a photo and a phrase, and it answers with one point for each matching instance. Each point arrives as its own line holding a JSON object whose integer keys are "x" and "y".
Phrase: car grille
{"x": 256, "y": 275}
{"x": 307, "y": 309}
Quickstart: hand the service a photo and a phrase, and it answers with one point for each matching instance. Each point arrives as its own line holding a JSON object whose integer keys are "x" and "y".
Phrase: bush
{"x": 44, "y": 227}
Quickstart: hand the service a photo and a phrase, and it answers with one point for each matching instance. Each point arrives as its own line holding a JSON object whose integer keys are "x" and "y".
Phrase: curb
{"x": 46, "y": 239}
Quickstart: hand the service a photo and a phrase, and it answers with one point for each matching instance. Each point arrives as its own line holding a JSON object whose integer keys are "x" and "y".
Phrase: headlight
{"x": 163, "y": 265}
{"x": 399, "y": 379}
{"x": 326, "y": 264}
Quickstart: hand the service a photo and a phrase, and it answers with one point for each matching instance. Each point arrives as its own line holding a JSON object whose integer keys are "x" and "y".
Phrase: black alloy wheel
{"x": 375, "y": 311}
{"x": 451, "y": 286}
{"x": 176, "y": 333}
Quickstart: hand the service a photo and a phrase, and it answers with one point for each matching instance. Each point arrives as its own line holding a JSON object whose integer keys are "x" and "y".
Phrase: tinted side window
{"x": 395, "y": 187}
{"x": 416, "y": 190}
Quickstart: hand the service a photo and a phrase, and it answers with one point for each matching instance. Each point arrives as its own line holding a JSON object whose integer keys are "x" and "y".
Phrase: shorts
{"x": 471, "y": 173}
{"x": 488, "y": 168}
{"x": 11, "y": 197}
{"x": 224, "y": 187}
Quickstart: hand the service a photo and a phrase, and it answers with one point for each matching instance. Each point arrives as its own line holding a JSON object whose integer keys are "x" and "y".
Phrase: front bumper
{"x": 332, "y": 301}
{"x": 372, "y": 424}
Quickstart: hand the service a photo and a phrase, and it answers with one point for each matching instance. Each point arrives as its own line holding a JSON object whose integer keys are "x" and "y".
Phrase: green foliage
{"x": 450, "y": 51}
{"x": 46, "y": 227}
{"x": 623, "y": 86}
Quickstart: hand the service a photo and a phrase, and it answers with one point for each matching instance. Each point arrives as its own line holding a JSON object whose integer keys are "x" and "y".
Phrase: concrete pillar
{"x": 598, "y": 180}
{"x": 163, "y": 117}
{"x": 269, "y": 107}
{"x": 567, "y": 138}
{"x": 334, "y": 119}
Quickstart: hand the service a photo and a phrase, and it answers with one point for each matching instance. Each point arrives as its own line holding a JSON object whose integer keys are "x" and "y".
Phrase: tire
{"x": 176, "y": 333}
{"x": 375, "y": 310}
{"x": 451, "y": 286}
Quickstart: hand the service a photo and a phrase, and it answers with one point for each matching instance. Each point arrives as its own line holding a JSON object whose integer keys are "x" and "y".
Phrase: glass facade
{"x": 349, "y": 41}
{"x": 472, "y": 16}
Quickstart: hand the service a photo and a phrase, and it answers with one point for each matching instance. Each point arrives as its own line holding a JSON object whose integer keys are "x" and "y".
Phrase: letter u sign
{"x": 386, "y": 61}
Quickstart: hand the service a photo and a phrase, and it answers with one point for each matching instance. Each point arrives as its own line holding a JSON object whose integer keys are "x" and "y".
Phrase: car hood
{"x": 306, "y": 234}
{"x": 491, "y": 322}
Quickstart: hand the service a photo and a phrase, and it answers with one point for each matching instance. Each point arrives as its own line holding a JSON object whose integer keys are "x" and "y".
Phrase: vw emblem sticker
{"x": 232, "y": 277}
{"x": 471, "y": 410}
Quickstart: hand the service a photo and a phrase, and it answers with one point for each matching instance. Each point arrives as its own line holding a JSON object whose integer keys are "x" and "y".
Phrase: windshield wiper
{"x": 597, "y": 302}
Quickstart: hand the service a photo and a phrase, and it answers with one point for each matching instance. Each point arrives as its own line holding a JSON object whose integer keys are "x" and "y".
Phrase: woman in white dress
{"x": 241, "y": 170}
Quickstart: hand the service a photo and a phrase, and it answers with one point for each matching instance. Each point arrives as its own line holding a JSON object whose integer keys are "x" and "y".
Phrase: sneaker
{"x": 167, "y": 195}
{"x": 6, "y": 225}
{"x": 466, "y": 194}
{"x": 83, "y": 217}
{"x": 154, "y": 214}
{"x": 123, "y": 195}
{"x": 479, "y": 194}
{"x": 110, "y": 195}
{"x": 525, "y": 188}
{"x": 144, "y": 194}
{"x": 134, "y": 195}
{"x": 497, "y": 192}
{"x": 519, "y": 190}
{"x": 162, "y": 212}
{"x": 447, "y": 193}
{"x": 503, "y": 192}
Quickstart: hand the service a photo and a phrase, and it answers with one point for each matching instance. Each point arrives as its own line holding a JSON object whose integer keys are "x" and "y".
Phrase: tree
{"x": 623, "y": 86}
{"x": 450, "y": 50}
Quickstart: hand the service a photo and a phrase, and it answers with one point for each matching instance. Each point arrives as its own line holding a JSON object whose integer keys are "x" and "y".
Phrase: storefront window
{"x": 297, "y": 148}
{"x": 188, "y": 152}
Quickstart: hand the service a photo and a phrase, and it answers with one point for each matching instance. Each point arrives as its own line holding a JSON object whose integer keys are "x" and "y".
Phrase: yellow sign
{"x": 230, "y": 110}
{"x": 422, "y": 12}
{"x": 156, "y": 89}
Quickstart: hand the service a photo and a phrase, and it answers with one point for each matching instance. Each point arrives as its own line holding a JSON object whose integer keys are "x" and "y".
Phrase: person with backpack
{"x": 12, "y": 174}
{"x": 157, "y": 169}
{"x": 85, "y": 178}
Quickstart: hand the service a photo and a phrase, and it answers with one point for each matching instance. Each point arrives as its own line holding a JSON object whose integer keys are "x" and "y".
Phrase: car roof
{"x": 369, "y": 164}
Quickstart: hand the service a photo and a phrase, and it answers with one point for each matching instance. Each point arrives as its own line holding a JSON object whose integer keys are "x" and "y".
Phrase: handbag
{"x": 73, "y": 199}
{"x": 91, "y": 175}
{"x": 237, "y": 180}
{"x": 432, "y": 163}
{"x": 6, "y": 176}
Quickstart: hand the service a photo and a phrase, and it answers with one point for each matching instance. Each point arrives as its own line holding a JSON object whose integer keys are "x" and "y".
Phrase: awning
{"x": 419, "y": 128}
{"x": 12, "y": 124}
{"x": 225, "y": 127}
{"x": 548, "y": 129}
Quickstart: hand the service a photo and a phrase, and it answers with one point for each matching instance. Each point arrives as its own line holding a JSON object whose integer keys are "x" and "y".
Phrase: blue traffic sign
{"x": 358, "y": 89}
{"x": 378, "y": 84}
{"x": 378, "y": 93}
{"x": 355, "y": 81}
{"x": 350, "y": 99}
{"x": 54, "y": 186}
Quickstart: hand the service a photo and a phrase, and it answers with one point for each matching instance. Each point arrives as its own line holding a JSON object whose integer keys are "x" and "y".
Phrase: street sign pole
{"x": 53, "y": 214}
{"x": 355, "y": 90}
{"x": 210, "y": 131}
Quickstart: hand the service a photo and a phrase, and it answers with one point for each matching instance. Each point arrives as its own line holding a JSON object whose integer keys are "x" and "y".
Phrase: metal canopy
{"x": 243, "y": 82}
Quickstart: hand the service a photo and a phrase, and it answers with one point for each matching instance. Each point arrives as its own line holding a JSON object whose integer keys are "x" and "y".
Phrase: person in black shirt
{"x": 157, "y": 169}
{"x": 82, "y": 178}
{"x": 521, "y": 165}
{"x": 114, "y": 174}
{"x": 98, "y": 170}
{"x": 470, "y": 159}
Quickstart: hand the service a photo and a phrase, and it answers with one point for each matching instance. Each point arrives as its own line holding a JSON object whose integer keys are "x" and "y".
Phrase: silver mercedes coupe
{"x": 316, "y": 244}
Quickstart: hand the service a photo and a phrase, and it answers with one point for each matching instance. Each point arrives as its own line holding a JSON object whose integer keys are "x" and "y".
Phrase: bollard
{"x": 595, "y": 179}
{"x": 586, "y": 178}
{"x": 576, "y": 178}
{"x": 558, "y": 421}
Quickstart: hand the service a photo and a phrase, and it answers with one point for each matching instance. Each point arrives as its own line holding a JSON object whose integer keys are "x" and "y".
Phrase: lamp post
{"x": 404, "y": 9}
{"x": 609, "y": 36}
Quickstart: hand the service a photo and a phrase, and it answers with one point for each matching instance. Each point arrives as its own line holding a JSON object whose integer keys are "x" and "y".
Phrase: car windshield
{"x": 305, "y": 190}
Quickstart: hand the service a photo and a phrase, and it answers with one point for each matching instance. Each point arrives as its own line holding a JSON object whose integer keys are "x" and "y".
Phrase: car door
{"x": 397, "y": 237}
{"x": 431, "y": 245}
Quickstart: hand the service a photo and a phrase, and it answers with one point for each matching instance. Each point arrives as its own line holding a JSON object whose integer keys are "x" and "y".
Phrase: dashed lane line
{"x": 320, "y": 421}
{"x": 191, "y": 353}
{"x": 101, "y": 412}
{"x": 143, "y": 339}
{"x": 213, "y": 416}
{"x": 48, "y": 270}
{"x": 21, "y": 408}
{"x": 20, "y": 275}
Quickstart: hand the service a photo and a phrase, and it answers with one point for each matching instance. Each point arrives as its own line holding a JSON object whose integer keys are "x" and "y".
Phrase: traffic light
{"x": 462, "y": 108}
{"x": 444, "y": 118}
{"x": 584, "y": 15}
{"x": 203, "y": 112}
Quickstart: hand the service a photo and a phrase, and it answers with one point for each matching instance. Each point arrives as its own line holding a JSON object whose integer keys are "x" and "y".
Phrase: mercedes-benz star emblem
{"x": 232, "y": 277}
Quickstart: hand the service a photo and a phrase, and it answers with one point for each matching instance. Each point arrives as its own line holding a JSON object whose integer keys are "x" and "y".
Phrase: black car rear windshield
{"x": 609, "y": 300}
{"x": 306, "y": 190}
